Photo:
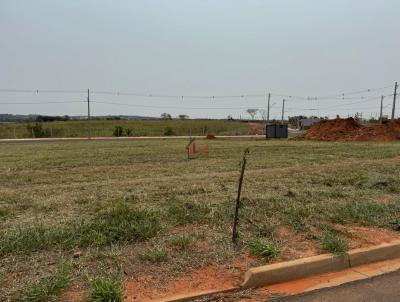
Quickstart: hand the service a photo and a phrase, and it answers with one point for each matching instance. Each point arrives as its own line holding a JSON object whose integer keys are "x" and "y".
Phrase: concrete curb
{"x": 301, "y": 268}
{"x": 286, "y": 271}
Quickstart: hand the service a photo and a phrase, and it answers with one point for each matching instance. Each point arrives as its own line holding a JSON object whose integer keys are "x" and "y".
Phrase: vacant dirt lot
{"x": 140, "y": 213}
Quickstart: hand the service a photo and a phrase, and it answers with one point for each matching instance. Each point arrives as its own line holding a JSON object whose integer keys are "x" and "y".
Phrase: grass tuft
{"x": 183, "y": 213}
{"x": 265, "y": 250}
{"x": 46, "y": 289}
{"x": 106, "y": 290}
{"x": 156, "y": 255}
{"x": 183, "y": 242}
{"x": 332, "y": 243}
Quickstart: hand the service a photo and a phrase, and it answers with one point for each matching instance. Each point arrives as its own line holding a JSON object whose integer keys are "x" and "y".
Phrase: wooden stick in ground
{"x": 235, "y": 233}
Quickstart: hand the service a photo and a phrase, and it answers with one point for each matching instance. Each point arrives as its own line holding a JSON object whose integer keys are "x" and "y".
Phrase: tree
{"x": 183, "y": 116}
{"x": 252, "y": 112}
{"x": 263, "y": 114}
{"x": 294, "y": 120}
{"x": 166, "y": 116}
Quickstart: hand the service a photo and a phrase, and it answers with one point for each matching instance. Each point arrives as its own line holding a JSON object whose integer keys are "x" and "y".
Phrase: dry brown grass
{"x": 293, "y": 192}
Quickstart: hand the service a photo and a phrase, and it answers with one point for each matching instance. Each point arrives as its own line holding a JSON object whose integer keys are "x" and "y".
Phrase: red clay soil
{"x": 349, "y": 130}
{"x": 207, "y": 278}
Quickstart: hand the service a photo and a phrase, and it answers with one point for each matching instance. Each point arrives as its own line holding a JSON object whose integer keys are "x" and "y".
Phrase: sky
{"x": 204, "y": 58}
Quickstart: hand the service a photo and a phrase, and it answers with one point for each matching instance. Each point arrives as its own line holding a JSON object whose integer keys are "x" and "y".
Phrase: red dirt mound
{"x": 210, "y": 136}
{"x": 350, "y": 130}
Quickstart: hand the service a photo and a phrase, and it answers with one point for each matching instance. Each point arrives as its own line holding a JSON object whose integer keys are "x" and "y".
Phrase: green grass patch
{"x": 184, "y": 212}
{"x": 106, "y": 290}
{"x": 116, "y": 224}
{"x": 262, "y": 249}
{"x": 182, "y": 242}
{"x": 155, "y": 255}
{"x": 363, "y": 213}
{"x": 332, "y": 243}
{"x": 46, "y": 289}
{"x": 131, "y": 128}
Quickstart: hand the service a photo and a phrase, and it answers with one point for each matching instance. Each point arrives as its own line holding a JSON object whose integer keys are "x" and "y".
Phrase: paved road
{"x": 384, "y": 288}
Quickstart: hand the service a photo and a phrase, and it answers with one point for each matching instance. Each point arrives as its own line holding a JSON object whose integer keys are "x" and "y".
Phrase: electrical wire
{"x": 34, "y": 103}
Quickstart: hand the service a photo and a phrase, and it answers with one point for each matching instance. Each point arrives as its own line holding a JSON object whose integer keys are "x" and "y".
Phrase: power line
{"x": 210, "y": 97}
{"x": 34, "y": 103}
{"x": 37, "y": 91}
{"x": 170, "y": 107}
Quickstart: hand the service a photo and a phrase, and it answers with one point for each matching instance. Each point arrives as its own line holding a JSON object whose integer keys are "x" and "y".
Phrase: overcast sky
{"x": 210, "y": 48}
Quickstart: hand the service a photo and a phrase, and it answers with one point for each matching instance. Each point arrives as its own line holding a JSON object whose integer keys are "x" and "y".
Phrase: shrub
{"x": 106, "y": 290}
{"x": 128, "y": 132}
{"x": 168, "y": 131}
{"x": 267, "y": 251}
{"x": 37, "y": 130}
{"x": 118, "y": 131}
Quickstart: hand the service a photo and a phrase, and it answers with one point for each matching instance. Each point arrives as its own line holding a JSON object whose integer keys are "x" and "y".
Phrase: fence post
{"x": 235, "y": 233}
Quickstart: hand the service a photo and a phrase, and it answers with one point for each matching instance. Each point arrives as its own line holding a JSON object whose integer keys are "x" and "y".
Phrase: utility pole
{"x": 380, "y": 115}
{"x": 394, "y": 100}
{"x": 269, "y": 99}
{"x": 88, "y": 111}
{"x": 283, "y": 109}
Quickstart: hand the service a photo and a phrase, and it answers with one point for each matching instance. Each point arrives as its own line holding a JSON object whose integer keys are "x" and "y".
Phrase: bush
{"x": 168, "y": 131}
{"x": 128, "y": 132}
{"x": 267, "y": 251}
{"x": 106, "y": 290}
{"x": 118, "y": 131}
{"x": 37, "y": 130}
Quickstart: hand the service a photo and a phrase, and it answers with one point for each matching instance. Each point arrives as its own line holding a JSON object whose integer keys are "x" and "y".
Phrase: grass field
{"x": 73, "y": 212}
{"x": 104, "y": 128}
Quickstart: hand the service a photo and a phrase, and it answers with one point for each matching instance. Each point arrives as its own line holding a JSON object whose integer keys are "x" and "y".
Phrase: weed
{"x": 156, "y": 255}
{"x": 106, "y": 290}
{"x": 265, "y": 250}
{"x": 266, "y": 229}
{"x": 183, "y": 242}
{"x": 332, "y": 243}
{"x": 46, "y": 289}
{"x": 183, "y": 213}
{"x": 4, "y": 213}
{"x": 296, "y": 217}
